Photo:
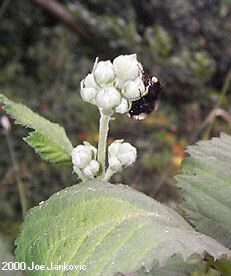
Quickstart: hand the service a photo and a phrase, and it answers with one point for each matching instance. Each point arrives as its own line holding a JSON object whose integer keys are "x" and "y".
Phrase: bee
{"x": 141, "y": 108}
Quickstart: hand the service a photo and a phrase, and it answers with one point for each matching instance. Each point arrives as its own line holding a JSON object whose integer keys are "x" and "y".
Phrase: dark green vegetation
{"x": 185, "y": 43}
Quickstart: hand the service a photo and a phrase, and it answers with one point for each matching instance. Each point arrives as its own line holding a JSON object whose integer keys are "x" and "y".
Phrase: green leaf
{"x": 109, "y": 228}
{"x": 49, "y": 139}
{"x": 205, "y": 184}
{"x": 46, "y": 148}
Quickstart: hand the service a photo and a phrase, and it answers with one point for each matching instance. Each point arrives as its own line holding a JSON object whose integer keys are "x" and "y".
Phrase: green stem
{"x": 222, "y": 265}
{"x": 79, "y": 173}
{"x": 219, "y": 103}
{"x": 21, "y": 187}
{"x": 103, "y": 133}
{"x": 109, "y": 173}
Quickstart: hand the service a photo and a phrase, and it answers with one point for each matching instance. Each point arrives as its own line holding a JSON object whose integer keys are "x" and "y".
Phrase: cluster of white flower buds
{"x": 114, "y": 85}
{"x": 120, "y": 155}
{"x": 84, "y": 159}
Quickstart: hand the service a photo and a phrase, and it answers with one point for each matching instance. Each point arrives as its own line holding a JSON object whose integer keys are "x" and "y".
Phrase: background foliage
{"x": 185, "y": 43}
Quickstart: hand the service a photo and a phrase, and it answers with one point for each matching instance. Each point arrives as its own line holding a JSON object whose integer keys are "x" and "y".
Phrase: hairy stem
{"x": 21, "y": 187}
{"x": 219, "y": 103}
{"x": 103, "y": 133}
{"x": 79, "y": 173}
{"x": 109, "y": 173}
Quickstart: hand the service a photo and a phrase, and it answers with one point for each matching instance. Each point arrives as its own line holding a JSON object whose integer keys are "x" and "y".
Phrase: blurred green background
{"x": 186, "y": 43}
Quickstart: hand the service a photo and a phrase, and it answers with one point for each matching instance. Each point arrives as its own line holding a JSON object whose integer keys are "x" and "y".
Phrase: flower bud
{"x": 94, "y": 166}
{"x": 108, "y": 98}
{"x": 104, "y": 72}
{"x": 114, "y": 147}
{"x": 91, "y": 170}
{"x": 88, "y": 94}
{"x": 89, "y": 81}
{"x": 126, "y": 67}
{"x": 87, "y": 172}
{"x": 114, "y": 164}
{"x": 81, "y": 156}
{"x": 127, "y": 154}
{"x": 123, "y": 107}
{"x": 93, "y": 149}
{"x": 133, "y": 90}
{"x": 121, "y": 154}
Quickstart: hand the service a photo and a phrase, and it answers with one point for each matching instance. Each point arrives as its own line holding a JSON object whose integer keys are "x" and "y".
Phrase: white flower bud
{"x": 87, "y": 172}
{"x": 91, "y": 170}
{"x": 121, "y": 154}
{"x": 114, "y": 164}
{"x": 114, "y": 147}
{"x": 108, "y": 98}
{"x": 88, "y": 94}
{"x": 119, "y": 83}
{"x": 81, "y": 156}
{"x": 126, "y": 67}
{"x": 94, "y": 166}
{"x": 127, "y": 154}
{"x": 93, "y": 149}
{"x": 89, "y": 81}
{"x": 133, "y": 90}
{"x": 104, "y": 72}
{"x": 123, "y": 107}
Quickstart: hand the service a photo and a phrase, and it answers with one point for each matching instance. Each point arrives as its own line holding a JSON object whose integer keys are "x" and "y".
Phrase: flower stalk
{"x": 21, "y": 188}
{"x": 109, "y": 173}
{"x": 103, "y": 134}
{"x": 79, "y": 173}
